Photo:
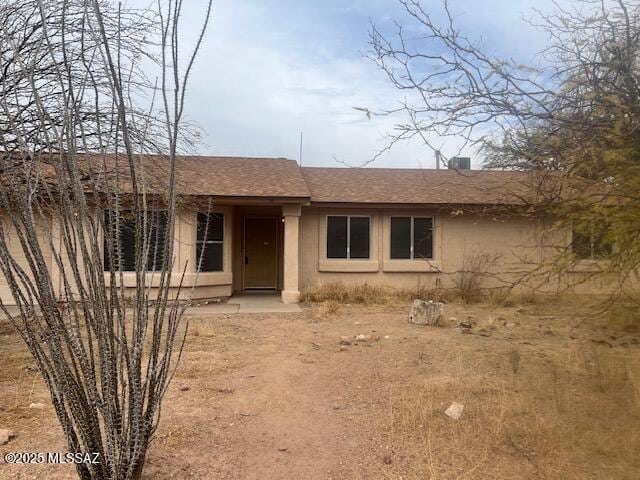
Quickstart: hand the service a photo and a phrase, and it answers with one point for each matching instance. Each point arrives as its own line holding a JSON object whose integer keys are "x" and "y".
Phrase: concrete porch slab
{"x": 212, "y": 309}
{"x": 267, "y": 303}
{"x": 247, "y": 303}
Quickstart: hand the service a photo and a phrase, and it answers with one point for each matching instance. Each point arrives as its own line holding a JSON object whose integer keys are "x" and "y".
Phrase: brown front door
{"x": 260, "y": 252}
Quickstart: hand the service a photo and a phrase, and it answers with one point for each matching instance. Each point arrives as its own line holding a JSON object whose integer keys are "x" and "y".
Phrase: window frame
{"x": 594, "y": 246}
{"x": 348, "y": 217}
{"x": 210, "y": 242}
{"x": 412, "y": 237}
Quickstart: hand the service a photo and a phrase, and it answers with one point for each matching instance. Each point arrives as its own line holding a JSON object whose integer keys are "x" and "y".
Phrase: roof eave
{"x": 252, "y": 199}
{"x": 316, "y": 203}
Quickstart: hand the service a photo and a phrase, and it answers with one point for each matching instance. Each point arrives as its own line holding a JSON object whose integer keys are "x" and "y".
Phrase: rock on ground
{"x": 426, "y": 313}
{"x": 454, "y": 411}
{"x": 362, "y": 338}
{"x": 5, "y": 435}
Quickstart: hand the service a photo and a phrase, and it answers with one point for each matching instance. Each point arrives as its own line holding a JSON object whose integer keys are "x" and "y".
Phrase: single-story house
{"x": 274, "y": 225}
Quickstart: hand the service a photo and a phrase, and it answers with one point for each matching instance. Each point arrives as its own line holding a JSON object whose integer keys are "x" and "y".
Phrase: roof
{"x": 216, "y": 176}
{"x": 280, "y": 178}
{"x": 240, "y": 177}
{"x": 414, "y": 186}
{"x": 283, "y": 178}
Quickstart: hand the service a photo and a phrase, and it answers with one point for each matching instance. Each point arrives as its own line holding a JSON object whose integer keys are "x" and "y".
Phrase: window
{"x": 411, "y": 238}
{"x": 125, "y": 249}
{"x": 589, "y": 241}
{"x": 210, "y": 241}
{"x": 337, "y": 237}
{"x": 348, "y": 237}
{"x": 400, "y": 237}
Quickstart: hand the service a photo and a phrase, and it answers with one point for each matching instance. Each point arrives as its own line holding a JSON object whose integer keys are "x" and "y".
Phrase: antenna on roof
{"x": 300, "y": 156}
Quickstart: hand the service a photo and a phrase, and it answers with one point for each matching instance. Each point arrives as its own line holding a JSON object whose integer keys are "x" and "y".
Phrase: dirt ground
{"x": 277, "y": 397}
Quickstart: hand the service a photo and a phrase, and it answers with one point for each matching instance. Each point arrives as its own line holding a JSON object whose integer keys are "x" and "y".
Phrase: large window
{"x": 590, "y": 242}
{"x": 124, "y": 245}
{"x": 210, "y": 242}
{"x": 348, "y": 237}
{"x": 411, "y": 237}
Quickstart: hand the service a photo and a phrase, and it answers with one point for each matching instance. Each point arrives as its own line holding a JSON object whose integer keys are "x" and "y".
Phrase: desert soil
{"x": 276, "y": 396}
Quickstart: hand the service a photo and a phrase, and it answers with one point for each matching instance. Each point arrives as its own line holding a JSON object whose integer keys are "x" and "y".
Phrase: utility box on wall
{"x": 460, "y": 163}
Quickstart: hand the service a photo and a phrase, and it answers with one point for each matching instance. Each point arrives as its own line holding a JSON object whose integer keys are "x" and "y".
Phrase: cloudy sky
{"x": 270, "y": 69}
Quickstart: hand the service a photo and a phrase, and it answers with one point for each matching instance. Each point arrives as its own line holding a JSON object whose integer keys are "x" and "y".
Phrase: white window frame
{"x": 411, "y": 238}
{"x": 349, "y": 217}
{"x": 211, "y": 242}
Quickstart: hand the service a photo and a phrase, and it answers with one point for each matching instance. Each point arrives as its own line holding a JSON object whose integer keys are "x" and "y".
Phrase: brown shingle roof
{"x": 418, "y": 186}
{"x": 279, "y": 177}
{"x": 282, "y": 178}
{"x": 240, "y": 176}
{"x": 223, "y": 176}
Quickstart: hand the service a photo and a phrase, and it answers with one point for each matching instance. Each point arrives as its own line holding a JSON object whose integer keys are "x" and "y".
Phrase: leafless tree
{"x": 79, "y": 112}
{"x": 571, "y": 120}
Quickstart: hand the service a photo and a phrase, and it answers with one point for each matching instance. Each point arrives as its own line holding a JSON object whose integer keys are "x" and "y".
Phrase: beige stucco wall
{"x": 15, "y": 248}
{"x": 514, "y": 245}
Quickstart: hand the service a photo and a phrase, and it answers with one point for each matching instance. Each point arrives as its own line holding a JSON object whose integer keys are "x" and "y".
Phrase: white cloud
{"x": 268, "y": 71}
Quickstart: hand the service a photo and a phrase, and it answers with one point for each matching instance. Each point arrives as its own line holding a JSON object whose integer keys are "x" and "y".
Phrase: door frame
{"x": 276, "y": 265}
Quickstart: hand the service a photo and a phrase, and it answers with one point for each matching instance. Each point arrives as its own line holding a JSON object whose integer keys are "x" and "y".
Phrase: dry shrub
{"x": 475, "y": 269}
{"x": 435, "y": 294}
{"x": 339, "y": 293}
{"x": 320, "y": 293}
{"x": 330, "y": 307}
{"x": 467, "y": 291}
{"x": 507, "y": 297}
{"x": 529, "y": 298}
{"x": 500, "y": 297}
{"x": 625, "y": 317}
{"x": 366, "y": 294}
{"x": 201, "y": 327}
